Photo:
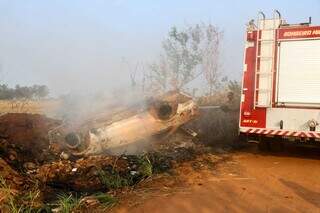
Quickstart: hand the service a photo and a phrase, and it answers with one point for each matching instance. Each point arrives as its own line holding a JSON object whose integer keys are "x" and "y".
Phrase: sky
{"x": 91, "y": 45}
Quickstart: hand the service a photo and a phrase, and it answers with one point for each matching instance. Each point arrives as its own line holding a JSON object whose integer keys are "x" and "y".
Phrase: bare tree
{"x": 158, "y": 76}
{"x": 135, "y": 72}
{"x": 187, "y": 54}
{"x": 210, "y": 57}
{"x": 133, "y": 75}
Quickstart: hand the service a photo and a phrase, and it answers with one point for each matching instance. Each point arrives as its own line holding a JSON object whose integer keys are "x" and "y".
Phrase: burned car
{"x": 117, "y": 133}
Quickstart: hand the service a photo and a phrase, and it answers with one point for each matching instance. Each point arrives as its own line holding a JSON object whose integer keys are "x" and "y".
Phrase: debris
{"x": 81, "y": 175}
{"x": 12, "y": 156}
{"x": 133, "y": 173}
{"x": 90, "y": 201}
{"x": 29, "y": 166}
{"x": 189, "y": 131}
{"x": 12, "y": 177}
{"x": 64, "y": 156}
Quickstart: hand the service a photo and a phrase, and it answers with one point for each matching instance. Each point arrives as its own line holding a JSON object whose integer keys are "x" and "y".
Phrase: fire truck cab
{"x": 280, "y": 95}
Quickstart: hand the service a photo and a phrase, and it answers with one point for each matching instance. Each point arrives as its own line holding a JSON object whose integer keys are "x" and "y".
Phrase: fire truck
{"x": 280, "y": 97}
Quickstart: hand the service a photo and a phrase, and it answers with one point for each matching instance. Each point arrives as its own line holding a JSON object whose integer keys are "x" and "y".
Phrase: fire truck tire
{"x": 276, "y": 146}
{"x": 264, "y": 145}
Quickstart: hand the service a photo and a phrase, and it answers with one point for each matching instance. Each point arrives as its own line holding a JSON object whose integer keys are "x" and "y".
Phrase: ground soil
{"x": 195, "y": 178}
{"x": 238, "y": 181}
{"x": 24, "y": 138}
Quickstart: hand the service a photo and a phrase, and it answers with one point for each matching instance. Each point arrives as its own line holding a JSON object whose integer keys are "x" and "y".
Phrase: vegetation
{"x": 188, "y": 53}
{"x": 66, "y": 203}
{"x": 105, "y": 199}
{"x": 223, "y": 120}
{"x": 17, "y": 203}
{"x": 145, "y": 166}
{"x": 23, "y": 92}
{"x": 28, "y": 202}
{"x": 113, "y": 180}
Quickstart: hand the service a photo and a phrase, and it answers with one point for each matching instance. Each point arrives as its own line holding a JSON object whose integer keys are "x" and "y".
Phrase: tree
{"x": 6, "y": 92}
{"x": 23, "y": 92}
{"x": 210, "y": 58}
{"x": 187, "y": 54}
{"x": 235, "y": 88}
{"x": 158, "y": 79}
{"x": 40, "y": 91}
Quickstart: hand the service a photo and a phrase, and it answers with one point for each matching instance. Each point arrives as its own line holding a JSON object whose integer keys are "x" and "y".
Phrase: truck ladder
{"x": 264, "y": 64}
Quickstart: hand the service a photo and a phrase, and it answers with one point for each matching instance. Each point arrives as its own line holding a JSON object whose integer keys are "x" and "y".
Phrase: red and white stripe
{"x": 280, "y": 132}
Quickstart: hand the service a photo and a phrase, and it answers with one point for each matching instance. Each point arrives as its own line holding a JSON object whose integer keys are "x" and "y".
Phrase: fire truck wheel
{"x": 276, "y": 146}
{"x": 264, "y": 145}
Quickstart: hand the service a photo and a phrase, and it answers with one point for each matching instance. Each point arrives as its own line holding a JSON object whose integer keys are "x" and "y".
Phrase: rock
{"x": 64, "y": 156}
{"x": 12, "y": 157}
{"x": 90, "y": 201}
{"x": 56, "y": 210}
{"x": 133, "y": 173}
{"x": 29, "y": 166}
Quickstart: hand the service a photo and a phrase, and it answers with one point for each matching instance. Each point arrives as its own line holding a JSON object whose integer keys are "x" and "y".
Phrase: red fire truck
{"x": 281, "y": 82}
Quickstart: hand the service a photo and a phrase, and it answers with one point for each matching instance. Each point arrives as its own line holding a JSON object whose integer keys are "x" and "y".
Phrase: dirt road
{"x": 249, "y": 181}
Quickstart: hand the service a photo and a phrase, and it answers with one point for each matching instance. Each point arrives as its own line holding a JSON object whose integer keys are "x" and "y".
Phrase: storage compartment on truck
{"x": 299, "y": 72}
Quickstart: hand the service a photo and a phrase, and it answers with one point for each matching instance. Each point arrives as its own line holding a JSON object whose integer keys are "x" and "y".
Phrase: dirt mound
{"x": 30, "y": 162}
{"x": 26, "y": 130}
{"x": 12, "y": 177}
{"x": 24, "y": 137}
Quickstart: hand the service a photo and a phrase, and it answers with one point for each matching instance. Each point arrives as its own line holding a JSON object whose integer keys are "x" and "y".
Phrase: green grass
{"x": 67, "y": 203}
{"x": 145, "y": 166}
{"x": 25, "y": 203}
{"x": 10, "y": 201}
{"x": 113, "y": 180}
{"x": 105, "y": 199}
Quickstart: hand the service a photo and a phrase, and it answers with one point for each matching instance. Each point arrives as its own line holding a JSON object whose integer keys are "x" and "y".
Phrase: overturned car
{"x": 117, "y": 134}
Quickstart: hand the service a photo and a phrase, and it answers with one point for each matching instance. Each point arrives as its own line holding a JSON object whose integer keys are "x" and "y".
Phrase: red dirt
{"x": 11, "y": 177}
{"x": 248, "y": 182}
{"x": 26, "y": 133}
{"x": 26, "y": 129}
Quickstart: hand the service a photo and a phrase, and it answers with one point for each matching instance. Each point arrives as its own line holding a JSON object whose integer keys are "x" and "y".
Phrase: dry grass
{"x": 28, "y": 106}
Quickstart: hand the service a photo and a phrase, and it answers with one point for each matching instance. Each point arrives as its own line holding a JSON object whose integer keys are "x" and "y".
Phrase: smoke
{"x": 80, "y": 107}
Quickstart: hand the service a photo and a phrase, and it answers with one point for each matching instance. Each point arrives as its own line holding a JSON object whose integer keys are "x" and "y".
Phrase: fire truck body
{"x": 281, "y": 80}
